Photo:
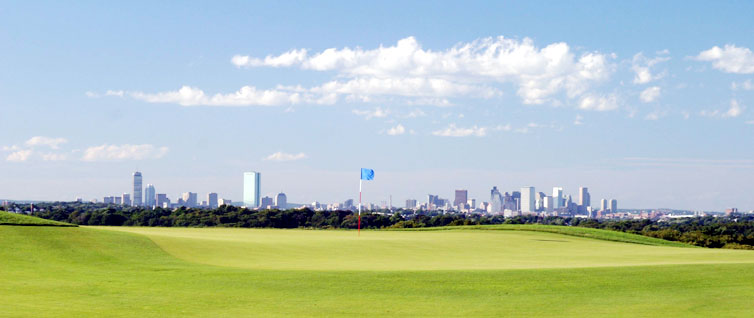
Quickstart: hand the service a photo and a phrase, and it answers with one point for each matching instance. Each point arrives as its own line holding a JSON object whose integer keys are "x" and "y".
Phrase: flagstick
{"x": 359, "y": 207}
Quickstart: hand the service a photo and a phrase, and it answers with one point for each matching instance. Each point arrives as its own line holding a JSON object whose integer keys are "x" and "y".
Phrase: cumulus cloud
{"x": 599, "y": 103}
{"x": 123, "y": 152}
{"x": 408, "y": 69}
{"x": 650, "y": 94}
{"x": 734, "y": 110}
{"x": 397, "y": 130}
{"x": 19, "y": 156}
{"x": 282, "y": 156}
{"x": 246, "y": 96}
{"x": 453, "y": 131}
{"x": 642, "y": 65}
{"x": 53, "y": 143}
{"x": 369, "y": 114}
{"x": 729, "y": 59}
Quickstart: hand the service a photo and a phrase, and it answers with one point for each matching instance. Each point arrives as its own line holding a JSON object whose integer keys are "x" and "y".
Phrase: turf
{"x": 96, "y": 272}
{"x": 7, "y": 218}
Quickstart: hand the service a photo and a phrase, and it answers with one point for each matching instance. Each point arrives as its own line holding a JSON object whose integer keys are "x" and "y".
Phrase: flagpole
{"x": 359, "y": 207}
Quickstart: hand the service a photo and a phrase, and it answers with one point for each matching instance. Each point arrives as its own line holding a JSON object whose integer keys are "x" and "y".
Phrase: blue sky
{"x": 648, "y": 103}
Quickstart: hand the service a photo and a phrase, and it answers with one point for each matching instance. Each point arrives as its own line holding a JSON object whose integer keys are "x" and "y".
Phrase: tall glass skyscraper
{"x": 150, "y": 196}
{"x": 137, "y": 189}
{"x": 527, "y": 199}
{"x": 251, "y": 189}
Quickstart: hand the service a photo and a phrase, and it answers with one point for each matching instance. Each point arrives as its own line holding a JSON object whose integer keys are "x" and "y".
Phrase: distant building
{"x": 225, "y": 202}
{"x": 137, "y": 189}
{"x": 281, "y": 201}
{"x": 603, "y": 205}
{"x": 348, "y": 204}
{"x": 471, "y": 203}
{"x": 108, "y": 200}
{"x": 212, "y": 200}
{"x": 126, "y": 199}
{"x": 527, "y": 199}
{"x": 584, "y": 199}
{"x": 150, "y": 196}
{"x": 557, "y": 197}
{"x": 461, "y": 197}
{"x": 162, "y": 200}
{"x": 189, "y": 199}
{"x": 118, "y": 200}
{"x": 267, "y": 202}
{"x": 410, "y": 204}
{"x": 251, "y": 189}
{"x": 549, "y": 204}
{"x": 614, "y": 206}
{"x": 496, "y": 201}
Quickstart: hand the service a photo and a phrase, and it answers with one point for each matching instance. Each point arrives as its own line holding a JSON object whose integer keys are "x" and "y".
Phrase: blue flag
{"x": 367, "y": 174}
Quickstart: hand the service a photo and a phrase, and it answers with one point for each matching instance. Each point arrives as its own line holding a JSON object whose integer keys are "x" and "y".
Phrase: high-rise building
{"x": 603, "y": 205}
{"x": 557, "y": 197}
{"x": 126, "y": 199}
{"x": 410, "y": 204}
{"x": 162, "y": 200}
{"x": 461, "y": 197}
{"x": 212, "y": 200}
{"x": 613, "y": 206}
{"x": 149, "y": 196}
{"x": 251, "y": 189}
{"x": 189, "y": 199}
{"x": 225, "y": 202}
{"x": 471, "y": 203}
{"x": 137, "y": 189}
{"x": 118, "y": 200}
{"x": 496, "y": 201}
{"x": 267, "y": 202}
{"x": 549, "y": 204}
{"x": 584, "y": 200}
{"x": 527, "y": 199}
{"x": 281, "y": 201}
{"x": 347, "y": 204}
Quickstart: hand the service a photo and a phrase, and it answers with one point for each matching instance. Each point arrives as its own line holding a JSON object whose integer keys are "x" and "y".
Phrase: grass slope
{"x": 85, "y": 272}
{"x": 7, "y": 218}
{"x": 599, "y": 234}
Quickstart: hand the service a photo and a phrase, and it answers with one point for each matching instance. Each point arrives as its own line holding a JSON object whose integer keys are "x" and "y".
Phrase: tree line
{"x": 735, "y": 231}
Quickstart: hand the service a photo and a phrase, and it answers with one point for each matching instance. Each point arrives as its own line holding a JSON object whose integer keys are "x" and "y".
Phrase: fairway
{"x": 212, "y": 272}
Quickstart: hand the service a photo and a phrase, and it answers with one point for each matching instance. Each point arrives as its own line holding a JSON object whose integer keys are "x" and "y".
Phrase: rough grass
{"x": 7, "y": 218}
{"x": 85, "y": 272}
{"x": 599, "y": 234}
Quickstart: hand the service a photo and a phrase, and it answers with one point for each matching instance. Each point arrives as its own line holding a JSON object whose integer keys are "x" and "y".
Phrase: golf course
{"x": 487, "y": 271}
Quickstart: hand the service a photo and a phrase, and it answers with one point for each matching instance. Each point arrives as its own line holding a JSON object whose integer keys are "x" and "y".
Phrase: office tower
{"x": 251, "y": 189}
{"x": 137, "y": 189}
{"x": 410, "y": 204}
{"x": 461, "y": 197}
{"x": 212, "y": 200}
{"x": 549, "y": 204}
{"x": 613, "y": 205}
{"x": 603, "y": 205}
{"x": 348, "y": 204}
{"x": 149, "y": 196}
{"x": 496, "y": 201}
{"x": 107, "y": 200}
{"x": 281, "y": 201}
{"x": 266, "y": 202}
{"x": 584, "y": 200}
{"x": 557, "y": 197}
{"x": 432, "y": 202}
{"x": 527, "y": 199}
{"x": 162, "y": 200}
{"x": 225, "y": 202}
{"x": 126, "y": 199}
{"x": 471, "y": 203}
{"x": 189, "y": 199}
{"x": 118, "y": 200}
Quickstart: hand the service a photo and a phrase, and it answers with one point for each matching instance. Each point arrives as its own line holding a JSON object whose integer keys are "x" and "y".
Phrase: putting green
{"x": 87, "y": 272}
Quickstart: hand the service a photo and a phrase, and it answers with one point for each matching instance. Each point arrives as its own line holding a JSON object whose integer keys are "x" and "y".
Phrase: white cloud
{"x": 599, "y": 103}
{"x": 506, "y": 127}
{"x": 107, "y": 93}
{"x": 655, "y": 115}
{"x": 123, "y": 152}
{"x": 53, "y": 143}
{"x": 19, "y": 156}
{"x": 54, "y": 156}
{"x": 407, "y": 69}
{"x": 750, "y": 122}
{"x": 376, "y": 113}
{"x": 729, "y": 59}
{"x": 281, "y": 156}
{"x": 650, "y": 94}
{"x": 246, "y": 96}
{"x": 734, "y": 110}
{"x": 397, "y": 130}
{"x": 746, "y": 85}
{"x": 579, "y": 120}
{"x": 453, "y": 131}
{"x": 416, "y": 113}
{"x": 641, "y": 65}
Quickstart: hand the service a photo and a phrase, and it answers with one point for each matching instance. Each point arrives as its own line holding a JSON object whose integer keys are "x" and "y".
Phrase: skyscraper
{"x": 584, "y": 200}
{"x": 189, "y": 199}
{"x": 212, "y": 200}
{"x": 557, "y": 197}
{"x": 137, "y": 189}
{"x": 251, "y": 189}
{"x": 267, "y": 202}
{"x": 613, "y": 205}
{"x": 162, "y": 200}
{"x": 496, "y": 201}
{"x": 281, "y": 201}
{"x": 603, "y": 205}
{"x": 461, "y": 197}
{"x": 126, "y": 199}
{"x": 410, "y": 204}
{"x": 150, "y": 196}
{"x": 527, "y": 199}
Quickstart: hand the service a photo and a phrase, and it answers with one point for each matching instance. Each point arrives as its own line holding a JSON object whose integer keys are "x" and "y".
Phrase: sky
{"x": 650, "y": 103}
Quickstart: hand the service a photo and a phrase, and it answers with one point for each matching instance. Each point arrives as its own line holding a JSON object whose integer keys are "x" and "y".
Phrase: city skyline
{"x": 653, "y": 108}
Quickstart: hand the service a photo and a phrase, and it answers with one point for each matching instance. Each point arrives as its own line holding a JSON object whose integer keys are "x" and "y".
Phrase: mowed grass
{"x": 7, "y": 218}
{"x": 92, "y": 272}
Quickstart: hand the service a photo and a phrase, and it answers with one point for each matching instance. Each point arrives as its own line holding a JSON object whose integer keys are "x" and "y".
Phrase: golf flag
{"x": 367, "y": 174}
